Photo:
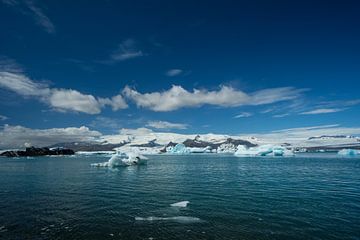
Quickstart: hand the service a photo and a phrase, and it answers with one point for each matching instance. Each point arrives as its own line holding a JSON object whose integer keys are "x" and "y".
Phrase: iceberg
{"x": 263, "y": 150}
{"x": 122, "y": 159}
{"x": 349, "y": 152}
{"x": 226, "y": 148}
{"x": 178, "y": 149}
{"x": 181, "y": 204}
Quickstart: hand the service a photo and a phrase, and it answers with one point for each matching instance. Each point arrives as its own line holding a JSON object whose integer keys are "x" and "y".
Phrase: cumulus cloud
{"x": 177, "y": 97}
{"x": 173, "y": 72}
{"x": 243, "y": 115}
{"x": 28, "y": 7}
{"x": 22, "y": 85}
{"x": 68, "y": 99}
{"x": 19, "y": 136}
{"x": 126, "y": 50}
{"x": 322, "y": 111}
{"x": 58, "y": 99}
{"x": 166, "y": 125}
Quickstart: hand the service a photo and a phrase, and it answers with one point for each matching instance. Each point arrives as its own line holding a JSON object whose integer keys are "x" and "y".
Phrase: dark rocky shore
{"x": 33, "y": 152}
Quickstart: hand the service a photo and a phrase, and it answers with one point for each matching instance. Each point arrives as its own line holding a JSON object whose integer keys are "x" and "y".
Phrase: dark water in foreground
{"x": 230, "y": 198}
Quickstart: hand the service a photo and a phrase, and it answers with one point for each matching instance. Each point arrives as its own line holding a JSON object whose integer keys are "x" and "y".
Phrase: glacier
{"x": 263, "y": 150}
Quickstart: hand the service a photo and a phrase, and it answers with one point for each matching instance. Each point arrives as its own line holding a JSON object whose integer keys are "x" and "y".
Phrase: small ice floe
{"x": 121, "y": 159}
{"x": 182, "y": 204}
{"x": 179, "y": 219}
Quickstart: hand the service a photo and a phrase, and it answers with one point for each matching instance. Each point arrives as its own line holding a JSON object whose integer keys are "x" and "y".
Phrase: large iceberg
{"x": 178, "y": 149}
{"x": 263, "y": 150}
{"x": 122, "y": 159}
{"x": 349, "y": 152}
{"x": 226, "y": 148}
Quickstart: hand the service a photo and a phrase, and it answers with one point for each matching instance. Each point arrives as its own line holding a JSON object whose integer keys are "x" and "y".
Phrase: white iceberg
{"x": 123, "y": 159}
{"x": 207, "y": 149}
{"x": 349, "y": 152}
{"x": 181, "y": 204}
{"x": 226, "y": 148}
{"x": 263, "y": 150}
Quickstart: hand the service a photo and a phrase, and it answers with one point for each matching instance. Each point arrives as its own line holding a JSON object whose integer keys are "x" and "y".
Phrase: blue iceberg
{"x": 349, "y": 152}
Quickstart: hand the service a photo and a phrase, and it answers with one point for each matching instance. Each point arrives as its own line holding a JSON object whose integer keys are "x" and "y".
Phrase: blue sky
{"x": 210, "y": 66}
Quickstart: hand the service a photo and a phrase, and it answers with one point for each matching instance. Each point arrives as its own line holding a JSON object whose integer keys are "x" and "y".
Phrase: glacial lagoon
{"x": 200, "y": 196}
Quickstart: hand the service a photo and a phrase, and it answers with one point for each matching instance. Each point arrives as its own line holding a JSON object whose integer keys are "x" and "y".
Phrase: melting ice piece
{"x": 122, "y": 159}
{"x": 179, "y": 219}
{"x": 349, "y": 152}
{"x": 181, "y": 204}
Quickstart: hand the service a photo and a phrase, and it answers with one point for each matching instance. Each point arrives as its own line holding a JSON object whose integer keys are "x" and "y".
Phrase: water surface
{"x": 310, "y": 197}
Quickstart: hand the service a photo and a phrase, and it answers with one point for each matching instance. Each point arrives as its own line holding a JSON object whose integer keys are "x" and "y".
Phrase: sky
{"x": 229, "y": 67}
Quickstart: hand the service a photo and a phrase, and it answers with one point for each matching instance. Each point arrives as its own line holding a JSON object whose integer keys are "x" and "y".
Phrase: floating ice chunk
{"x": 349, "y": 152}
{"x": 181, "y": 204}
{"x": 263, "y": 150}
{"x": 226, "y": 148}
{"x": 199, "y": 149}
{"x": 178, "y": 149}
{"x": 122, "y": 159}
{"x": 179, "y": 219}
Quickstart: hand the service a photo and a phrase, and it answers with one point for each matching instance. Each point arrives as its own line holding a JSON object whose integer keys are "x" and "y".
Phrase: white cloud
{"x": 9, "y": 65}
{"x": 67, "y": 99}
{"x": 59, "y": 99}
{"x": 177, "y": 97}
{"x": 281, "y": 115}
{"x": 126, "y": 50}
{"x": 166, "y": 125}
{"x": 173, "y": 72}
{"x": 22, "y": 85}
{"x": 323, "y": 110}
{"x": 243, "y": 115}
{"x": 116, "y": 102}
{"x": 28, "y": 7}
{"x": 19, "y": 136}
{"x": 40, "y": 17}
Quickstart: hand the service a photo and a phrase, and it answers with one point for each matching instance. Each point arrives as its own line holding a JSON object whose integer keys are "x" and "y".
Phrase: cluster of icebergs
{"x": 263, "y": 150}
